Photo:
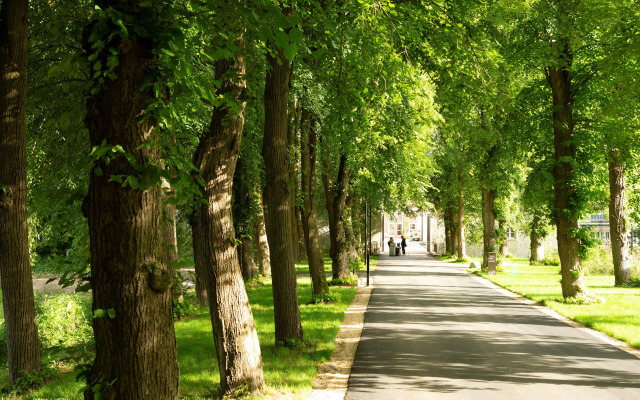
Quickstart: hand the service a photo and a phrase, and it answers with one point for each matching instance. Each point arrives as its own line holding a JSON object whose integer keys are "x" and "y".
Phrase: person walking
{"x": 403, "y": 243}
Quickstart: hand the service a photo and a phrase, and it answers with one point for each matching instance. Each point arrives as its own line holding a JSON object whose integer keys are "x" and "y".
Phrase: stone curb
{"x": 333, "y": 376}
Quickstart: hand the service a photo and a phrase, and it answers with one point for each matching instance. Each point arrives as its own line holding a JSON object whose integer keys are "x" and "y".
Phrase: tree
{"x": 23, "y": 347}
{"x": 277, "y": 198}
{"x": 131, "y": 277}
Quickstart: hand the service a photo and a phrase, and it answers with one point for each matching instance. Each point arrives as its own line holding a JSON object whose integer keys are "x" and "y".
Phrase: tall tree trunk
{"x": 248, "y": 263}
{"x": 23, "y": 347}
{"x": 489, "y": 235}
{"x": 537, "y": 238}
{"x": 454, "y": 232}
{"x": 351, "y": 238}
{"x": 199, "y": 259}
{"x": 293, "y": 173}
{"x": 234, "y": 332}
{"x": 573, "y": 283}
{"x": 309, "y": 222}
{"x": 243, "y": 214}
{"x": 261, "y": 243}
{"x": 617, "y": 223}
{"x": 336, "y": 206}
{"x": 130, "y": 271}
{"x": 447, "y": 233}
{"x": 277, "y": 201}
{"x": 462, "y": 250}
{"x": 503, "y": 237}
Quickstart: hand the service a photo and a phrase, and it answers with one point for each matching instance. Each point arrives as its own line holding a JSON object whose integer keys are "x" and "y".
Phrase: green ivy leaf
{"x": 112, "y": 313}
{"x": 99, "y": 313}
{"x": 295, "y": 35}
{"x": 282, "y": 39}
{"x": 290, "y": 51}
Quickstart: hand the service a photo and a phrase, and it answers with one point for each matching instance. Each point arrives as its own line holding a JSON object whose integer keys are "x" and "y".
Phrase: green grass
{"x": 289, "y": 371}
{"x": 618, "y": 316}
{"x": 303, "y": 266}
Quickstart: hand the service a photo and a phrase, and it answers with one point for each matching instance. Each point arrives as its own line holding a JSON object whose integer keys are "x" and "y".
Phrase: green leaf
{"x": 99, "y": 313}
{"x": 282, "y": 39}
{"x": 112, "y": 313}
{"x": 133, "y": 182}
{"x": 123, "y": 28}
{"x": 264, "y": 32}
{"x": 167, "y": 52}
{"x": 281, "y": 21}
{"x": 97, "y": 171}
{"x": 295, "y": 35}
{"x": 291, "y": 51}
{"x": 147, "y": 3}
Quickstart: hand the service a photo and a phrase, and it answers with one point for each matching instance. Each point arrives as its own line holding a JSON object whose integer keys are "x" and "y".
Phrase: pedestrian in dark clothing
{"x": 403, "y": 243}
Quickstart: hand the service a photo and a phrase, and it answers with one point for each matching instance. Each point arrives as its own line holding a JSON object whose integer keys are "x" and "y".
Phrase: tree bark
{"x": 261, "y": 243}
{"x": 453, "y": 218}
{"x": 248, "y": 263}
{"x": 447, "y": 233}
{"x": 617, "y": 222}
{"x": 130, "y": 271}
{"x": 293, "y": 172}
{"x": 537, "y": 238}
{"x": 336, "y": 196}
{"x": 489, "y": 235}
{"x": 462, "y": 250}
{"x": 277, "y": 201}
{"x": 351, "y": 237}
{"x": 573, "y": 283}
{"x": 503, "y": 237}
{"x": 199, "y": 259}
{"x": 309, "y": 221}
{"x": 234, "y": 332}
{"x": 23, "y": 347}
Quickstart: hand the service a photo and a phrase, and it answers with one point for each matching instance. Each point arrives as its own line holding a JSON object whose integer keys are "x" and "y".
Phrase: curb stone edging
{"x": 333, "y": 376}
{"x": 627, "y": 348}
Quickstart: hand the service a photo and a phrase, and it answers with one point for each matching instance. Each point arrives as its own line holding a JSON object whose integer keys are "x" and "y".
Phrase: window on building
{"x": 511, "y": 234}
{"x": 412, "y": 226}
{"x": 395, "y": 228}
{"x": 597, "y": 235}
{"x": 606, "y": 236}
{"x": 597, "y": 217}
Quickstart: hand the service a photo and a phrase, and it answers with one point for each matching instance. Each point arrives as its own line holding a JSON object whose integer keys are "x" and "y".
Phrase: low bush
{"x": 64, "y": 319}
{"x": 351, "y": 280}
{"x": 325, "y": 298}
{"x": 185, "y": 305}
{"x": 599, "y": 261}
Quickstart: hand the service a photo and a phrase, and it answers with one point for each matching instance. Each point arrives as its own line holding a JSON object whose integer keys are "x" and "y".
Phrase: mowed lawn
{"x": 288, "y": 372}
{"x": 618, "y": 316}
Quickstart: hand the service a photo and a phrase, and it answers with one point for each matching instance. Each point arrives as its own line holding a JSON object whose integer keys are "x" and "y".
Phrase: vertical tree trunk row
{"x": 453, "y": 218}
{"x": 462, "y": 250}
{"x": 336, "y": 206}
{"x": 489, "y": 236}
{"x": 23, "y": 347}
{"x": 351, "y": 236}
{"x": 503, "y": 237}
{"x": 617, "y": 222}
{"x": 536, "y": 246}
{"x": 199, "y": 260}
{"x": 564, "y": 153}
{"x": 234, "y": 332}
{"x": 130, "y": 271}
{"x": 293, "y": 172}
{"x": 277, "y": 201}
{"x": 309, "y": 221}
{"x": 261, "y": 243}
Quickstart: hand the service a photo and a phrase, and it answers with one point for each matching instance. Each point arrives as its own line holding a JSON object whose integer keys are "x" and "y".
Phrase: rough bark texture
{"x": 261, "y": 243}
{"x": 277, "y": 197}
{"x": 293, "y": 173}
{"x": 197, "y": 239}
{"x": 503, "y": 237}
{"x": 130, "y": 269}
{"x": 489, "y": 235}
{"x": 309, "y": 221}
{"x": 23, "y": 347}
{"x": 453, "y": 220}
{"x": 462, "y": 248}
{"x": 248, "y": 263}
{"x": 617, "y": 223}
{"x": 234, "y": 332}
{"x": 536, "y": 247}
{"x": 447, "y": 234}
{"x": 351, "y": 236}
{"x": 564, "y": 153}
{"x": 336, "y": 196}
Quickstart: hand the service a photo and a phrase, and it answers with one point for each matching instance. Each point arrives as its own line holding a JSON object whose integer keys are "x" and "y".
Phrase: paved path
{"x": 433, "y": 332}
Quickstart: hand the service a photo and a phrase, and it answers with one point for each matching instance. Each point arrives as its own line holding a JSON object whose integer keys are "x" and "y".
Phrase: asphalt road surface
{"x": 432, "y": 332}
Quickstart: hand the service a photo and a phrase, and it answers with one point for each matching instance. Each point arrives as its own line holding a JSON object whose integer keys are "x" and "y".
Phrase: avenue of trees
{"x": 142, "y": 136}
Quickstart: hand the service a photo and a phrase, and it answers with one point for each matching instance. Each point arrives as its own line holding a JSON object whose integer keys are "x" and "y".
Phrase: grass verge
{"x": 618, "y": 316}
{"x": 288, "y": 372}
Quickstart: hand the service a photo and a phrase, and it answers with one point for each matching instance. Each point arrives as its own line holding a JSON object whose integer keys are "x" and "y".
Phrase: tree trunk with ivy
{"x": 234, "y": 332}
{"x": 617, "y": 222}
{"x": 349, "y": 226}
{"x": 489, "y": 235}
{"x": 131, "y": 275}
{"x": 277, "y": 196}
{"x": 559, "y": 78}
{"x": 23, "y": 347}
{"x": 309, "y": 220}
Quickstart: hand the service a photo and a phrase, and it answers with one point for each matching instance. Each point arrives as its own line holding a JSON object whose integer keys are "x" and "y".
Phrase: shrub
{"x": 64, "y": 319}
{"x": 325, "y": 298}
{"x": 351, "y": 280}
{"x": 185, "y": 305}
{"x": 599, "y": 261}
{"x": 632, "y": 283}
